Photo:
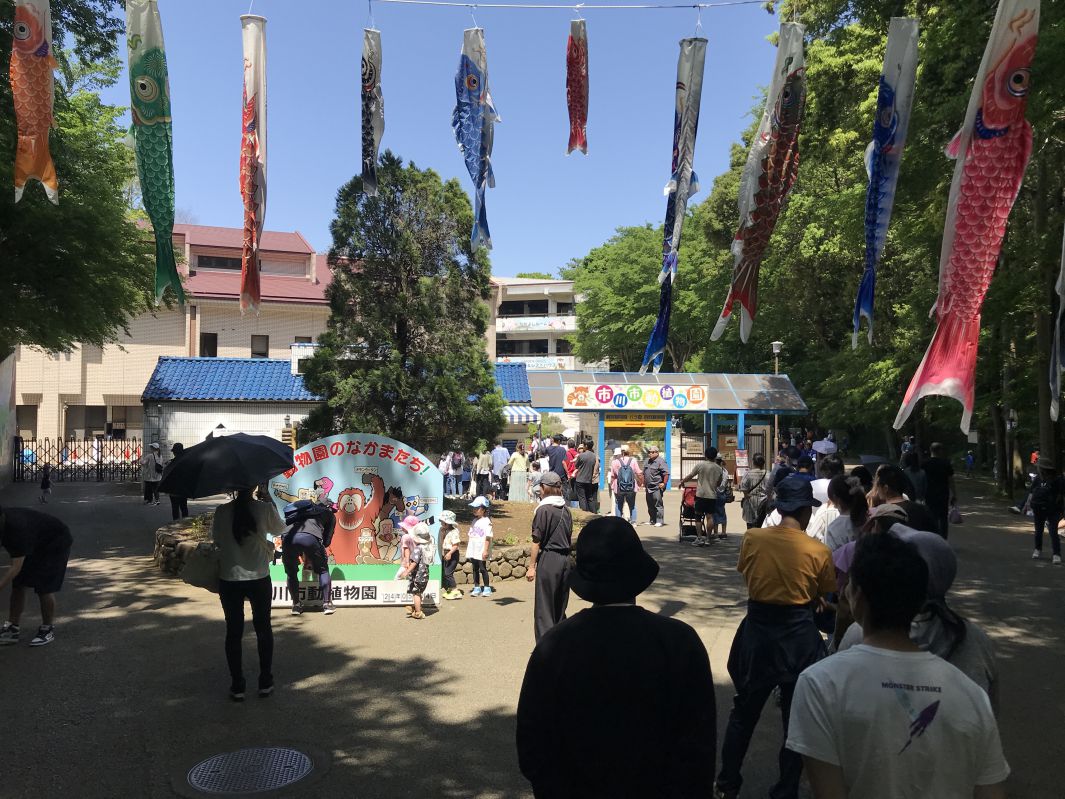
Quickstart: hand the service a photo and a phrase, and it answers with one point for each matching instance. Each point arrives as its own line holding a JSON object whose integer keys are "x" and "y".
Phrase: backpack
{"x": 1043, "y": 497}
{"x": 456, "y": 461}
{"x": 626, "y": 477}
{"x": 296, "y": 513}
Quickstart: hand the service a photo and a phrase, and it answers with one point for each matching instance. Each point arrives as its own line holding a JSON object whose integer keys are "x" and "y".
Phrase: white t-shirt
{"x": 901, "y": 725}
{"x": 818, "y": 526}
{"x": 476, "y": 546}
{"x": 840, "y": 531}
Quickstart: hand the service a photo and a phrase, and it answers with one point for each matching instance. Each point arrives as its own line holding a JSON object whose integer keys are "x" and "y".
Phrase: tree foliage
{"x": 79, "y": 271}
{"x": 814, "y": 262}
{"x": 404, "y": 352}
{"x": 535, "y": 275}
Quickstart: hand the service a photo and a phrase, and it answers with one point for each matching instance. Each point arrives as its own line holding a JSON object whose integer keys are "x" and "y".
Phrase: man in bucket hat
{"x": 786, "y": 573}
{"x": 617, "y": 701}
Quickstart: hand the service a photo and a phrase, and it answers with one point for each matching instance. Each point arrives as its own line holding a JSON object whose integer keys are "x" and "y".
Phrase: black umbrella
{"x": 225, "y": 463}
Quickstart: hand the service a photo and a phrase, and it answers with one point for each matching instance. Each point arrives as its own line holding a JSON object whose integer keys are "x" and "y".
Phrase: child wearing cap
{"x": 416, "y": 560}
{"x": 479, "y": 546}
{"x": 450, "y": 540}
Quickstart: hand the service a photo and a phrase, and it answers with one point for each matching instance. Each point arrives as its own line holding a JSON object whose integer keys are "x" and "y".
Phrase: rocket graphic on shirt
{"x": 919, "y": 721}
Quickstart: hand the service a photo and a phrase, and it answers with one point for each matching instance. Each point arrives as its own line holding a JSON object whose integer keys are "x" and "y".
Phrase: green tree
{"x": 619, "y": 283}
{"x": 79, "y": 271}
{"x": 404, "y": 353}
{"x": 535, "y": 275}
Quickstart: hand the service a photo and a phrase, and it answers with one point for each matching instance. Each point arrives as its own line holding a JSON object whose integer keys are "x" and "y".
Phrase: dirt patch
{"x": 512, "y": 521}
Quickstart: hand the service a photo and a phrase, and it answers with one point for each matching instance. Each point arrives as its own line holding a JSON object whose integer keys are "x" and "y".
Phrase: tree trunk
{"x": 999, "y": 429}
{"x": 1045, "y": 278}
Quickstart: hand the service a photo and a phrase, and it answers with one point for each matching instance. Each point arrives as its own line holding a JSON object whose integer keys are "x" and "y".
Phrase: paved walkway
{"x": 132, "y": 693}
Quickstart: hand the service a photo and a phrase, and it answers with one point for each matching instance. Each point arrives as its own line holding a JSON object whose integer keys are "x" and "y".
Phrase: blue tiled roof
{"x": 513, "y": 381}
{"x": 226, "y": 379}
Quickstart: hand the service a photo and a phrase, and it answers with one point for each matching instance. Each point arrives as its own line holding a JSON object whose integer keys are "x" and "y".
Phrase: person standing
{"x": 454, "y": 472}
{"x": 889, "y": 488}
{"x": 786, "y": 573}
{"x": 151, "y": 474}
{"x": 754, "y": 504}
{"x": 655, "y": 477}
{"x": 500, "y": 456}
{"x": 617, "y": 701}
{"x": 587, "y": 465}
{"x": 552, "y": 535}
{"x": 479, "y": 545}
{"x": 518, "y": 478}
{"x": 449, "y": 548}
{"x": 483, "y": 469}
{"x": 241, "y": 531}
{"x": 556, "y": 459}
{"x": 39, "y": 546}
{"x": 1047, "y": 497}
{"x": 885, "y": 720}
{"x": 940, "y": 491}
{"x": 625, "y": 477}
{"x": 46, "y": 483}
{"x": 724, "y": 496}
{"x": 179, "y": 505}
{"x": 707, "y": 476}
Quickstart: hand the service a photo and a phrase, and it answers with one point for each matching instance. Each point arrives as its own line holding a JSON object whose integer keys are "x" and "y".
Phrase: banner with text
{"x": 635, "y": 397}
{"x": 372, "y": 482}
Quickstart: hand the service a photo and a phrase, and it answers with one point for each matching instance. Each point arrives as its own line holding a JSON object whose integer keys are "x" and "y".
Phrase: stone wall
{"x": 174, "y": 542}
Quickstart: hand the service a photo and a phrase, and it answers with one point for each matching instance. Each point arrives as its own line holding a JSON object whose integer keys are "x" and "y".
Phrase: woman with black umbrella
{"x": 240, "y": 532}
{"x": 179, "y": 505}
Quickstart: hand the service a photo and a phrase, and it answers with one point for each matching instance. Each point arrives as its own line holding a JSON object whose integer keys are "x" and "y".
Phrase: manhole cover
{"x": 250, "y": 771}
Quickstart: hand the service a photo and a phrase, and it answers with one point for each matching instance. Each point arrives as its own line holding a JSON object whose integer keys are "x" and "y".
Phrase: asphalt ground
{"x": 133, "y": 692}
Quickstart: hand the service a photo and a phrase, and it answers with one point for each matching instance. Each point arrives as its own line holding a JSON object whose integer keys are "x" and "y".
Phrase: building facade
{"x": 96, "y": 391}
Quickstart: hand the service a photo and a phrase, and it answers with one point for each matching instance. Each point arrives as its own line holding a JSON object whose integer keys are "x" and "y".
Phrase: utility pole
{"x": 777, "y": 347}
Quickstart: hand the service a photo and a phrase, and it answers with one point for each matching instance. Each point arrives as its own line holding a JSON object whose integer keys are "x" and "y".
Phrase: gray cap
{"x": 551, "y": 479}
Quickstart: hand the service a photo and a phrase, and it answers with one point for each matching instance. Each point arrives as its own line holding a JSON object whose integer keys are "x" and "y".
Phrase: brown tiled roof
{"x": 231, "y": 237}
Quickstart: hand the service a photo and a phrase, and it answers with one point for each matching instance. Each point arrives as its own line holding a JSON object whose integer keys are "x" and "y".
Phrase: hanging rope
{"x": 569, "y": 6}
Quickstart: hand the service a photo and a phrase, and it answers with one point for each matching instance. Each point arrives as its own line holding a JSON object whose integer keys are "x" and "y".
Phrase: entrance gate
{"x": 77, "y": 460}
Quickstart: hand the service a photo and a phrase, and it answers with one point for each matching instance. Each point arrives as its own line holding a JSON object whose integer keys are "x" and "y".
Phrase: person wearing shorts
{"x": 707, "y": 476}
{"x": 39, "y": 546}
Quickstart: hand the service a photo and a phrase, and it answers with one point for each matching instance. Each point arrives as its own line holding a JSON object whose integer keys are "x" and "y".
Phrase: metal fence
{"x": 77, "y": 460}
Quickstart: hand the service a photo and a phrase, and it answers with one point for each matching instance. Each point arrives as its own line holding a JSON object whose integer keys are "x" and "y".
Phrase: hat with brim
{"x": 410, "y": 523}
{"x": 612, "y": 565}
{"x": 447, "y": 516}
{"x": 551, "y": 479}
{"x": 422, "y": 536}
{"x": 794, "y": 492}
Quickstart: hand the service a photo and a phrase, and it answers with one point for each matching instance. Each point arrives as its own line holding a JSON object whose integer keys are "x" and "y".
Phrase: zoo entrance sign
{"x": 664, "y": 398}
{"x": 373, "y": 482}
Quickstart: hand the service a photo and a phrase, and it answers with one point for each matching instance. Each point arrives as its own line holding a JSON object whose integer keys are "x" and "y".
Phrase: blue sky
{"x": 546, "y": 207}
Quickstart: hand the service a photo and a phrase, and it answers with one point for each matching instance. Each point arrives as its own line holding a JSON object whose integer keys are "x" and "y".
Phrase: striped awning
{"x": 520, "y": 414}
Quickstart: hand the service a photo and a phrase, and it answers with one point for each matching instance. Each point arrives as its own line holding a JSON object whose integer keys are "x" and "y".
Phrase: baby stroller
{"x": 688, "y": 523}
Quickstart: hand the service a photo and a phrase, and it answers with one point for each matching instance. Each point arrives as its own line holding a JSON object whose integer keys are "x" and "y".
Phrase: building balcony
{"x": 541, "y": 363}
{"x": 566, "y": 323}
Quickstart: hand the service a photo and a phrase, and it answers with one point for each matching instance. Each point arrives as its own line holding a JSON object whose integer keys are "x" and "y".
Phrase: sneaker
{"x": 266, "y": 688}
{"x": 660, "y": 524}
{"x": 1037, "y": 554}
{"x": 329, "y": 609}
{"x": 1056, "y": 560}
{"x": 722, "y": 535}
{"x": 236, "y": 691}
{"x": 724, "y": 793}
{"x": 44, "y": 636}
{"x": 1014, "y": 509}
{"x": 476, "y": 591}
{"x": 9, "y": 634}
{"x": 486, "y": 591}
{"x": 297, "y": 608}
{"x": 698, "y": 542}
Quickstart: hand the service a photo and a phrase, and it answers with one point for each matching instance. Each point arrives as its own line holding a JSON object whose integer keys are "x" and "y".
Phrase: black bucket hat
{"x": 794, "y": 492}
{"x": 612, "y": 565}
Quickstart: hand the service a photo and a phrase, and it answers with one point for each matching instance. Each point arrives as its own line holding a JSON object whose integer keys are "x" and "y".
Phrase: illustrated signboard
{"x": 373, "y": 482}
{"x": 635, "y": 397}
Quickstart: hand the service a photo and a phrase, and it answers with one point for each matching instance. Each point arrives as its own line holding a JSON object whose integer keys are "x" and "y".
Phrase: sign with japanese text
{"x": 372, "y": 482}
{"x": 663, "y": 398}
{"x": 635, "y": 420}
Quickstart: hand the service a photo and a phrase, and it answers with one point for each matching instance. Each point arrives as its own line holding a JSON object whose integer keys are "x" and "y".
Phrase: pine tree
{"x": 404, "y": 353}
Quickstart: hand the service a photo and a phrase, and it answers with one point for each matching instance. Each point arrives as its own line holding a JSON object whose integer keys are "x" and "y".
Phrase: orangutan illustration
{"x": 354, "y": 539}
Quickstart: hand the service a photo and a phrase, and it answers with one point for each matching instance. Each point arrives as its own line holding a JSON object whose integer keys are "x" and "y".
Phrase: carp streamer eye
{"x": 22, "y": 31}
{"x": 1017, "y": 85}
{"x": 886, "y": 116}
{"x": 472, "y": 83}
{"x": 369, "y": 75}
{"x": 147, "y": 89}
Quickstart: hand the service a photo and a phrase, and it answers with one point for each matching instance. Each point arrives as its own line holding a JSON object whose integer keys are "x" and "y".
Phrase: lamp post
{"x": 777, "y": 347}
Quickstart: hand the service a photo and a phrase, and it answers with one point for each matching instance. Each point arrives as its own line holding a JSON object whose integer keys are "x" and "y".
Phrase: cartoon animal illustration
{"x": 281, "y": 493}
{"x": 355, "y": 532}
{"x": 579, "y": 396}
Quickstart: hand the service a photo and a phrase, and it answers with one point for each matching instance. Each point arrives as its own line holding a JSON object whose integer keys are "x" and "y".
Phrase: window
{"x": 260, "y": 346}
{"x": 303, "y": 340}
{"x": 217, "y": 262}
{"x": 506, "y": 347}
{"x": 536, "y": 308}
{"x": 26, "y": 420}
{"x": 564, "y": 308}
{"x": 563, "y": 347}
{"x": 208, "y": 345}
